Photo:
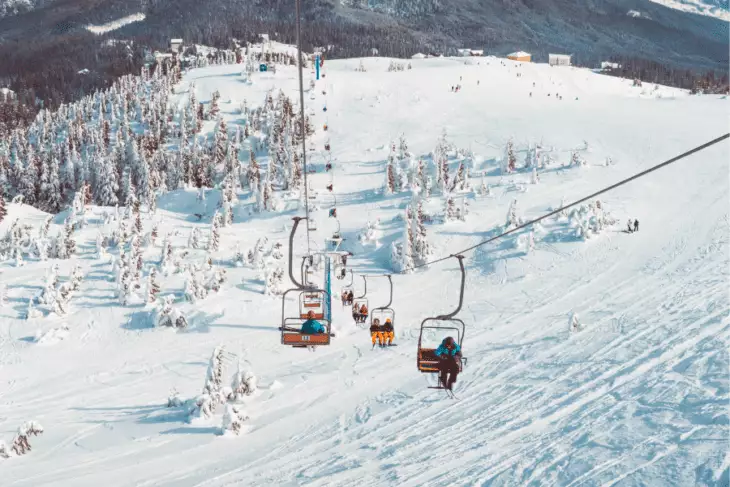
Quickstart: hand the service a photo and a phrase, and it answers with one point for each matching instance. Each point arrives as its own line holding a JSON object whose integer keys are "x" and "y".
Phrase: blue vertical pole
{"x": 328, "y": 288}
{"x": 316, "y": 65}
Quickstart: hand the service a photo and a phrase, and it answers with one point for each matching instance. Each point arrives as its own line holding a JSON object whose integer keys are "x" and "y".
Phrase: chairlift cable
{"x": 301, "y": 108}
{"x": 597, "y": 193}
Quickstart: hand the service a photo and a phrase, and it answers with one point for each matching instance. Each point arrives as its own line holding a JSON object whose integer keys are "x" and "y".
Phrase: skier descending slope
{"x": 448, "y": 352}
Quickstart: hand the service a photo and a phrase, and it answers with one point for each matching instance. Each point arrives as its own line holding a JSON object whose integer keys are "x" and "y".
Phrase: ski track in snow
{"x": 639, "y": 397}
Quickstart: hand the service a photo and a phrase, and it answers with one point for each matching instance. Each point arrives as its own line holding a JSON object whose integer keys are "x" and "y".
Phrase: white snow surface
{"x": 710, "y": 9}
{"x": 639, "y": 397}
{"x": 115, "y": 24}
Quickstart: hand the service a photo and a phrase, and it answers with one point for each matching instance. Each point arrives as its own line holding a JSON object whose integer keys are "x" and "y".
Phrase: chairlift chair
{"x": 358, "y": 302}
{"x": 291, "y": 326}
{"x": 310, "y": 299}
{"x": 346, "y": 289}
{"x": 383, "y": 313}
{"x": 441, "y": 326}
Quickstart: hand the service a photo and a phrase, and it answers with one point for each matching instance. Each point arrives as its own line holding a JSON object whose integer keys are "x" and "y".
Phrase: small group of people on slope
{"x": 383, "y": 334}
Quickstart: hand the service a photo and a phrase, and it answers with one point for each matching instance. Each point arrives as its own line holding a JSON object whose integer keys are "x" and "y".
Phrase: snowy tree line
{"x": 116, "y": 146}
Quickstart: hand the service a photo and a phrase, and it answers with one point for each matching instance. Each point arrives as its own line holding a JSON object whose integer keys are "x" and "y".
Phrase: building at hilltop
{"x": 559, "y": 59}
{"x": 470, "y": 52}
{"x": 521, "y": 56}
{"x": 176, "y": 46}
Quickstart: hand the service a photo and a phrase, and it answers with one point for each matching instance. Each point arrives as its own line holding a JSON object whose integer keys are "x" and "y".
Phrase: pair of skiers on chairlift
{"x": 382, "y": 333}
{"x": 359, "y": 314}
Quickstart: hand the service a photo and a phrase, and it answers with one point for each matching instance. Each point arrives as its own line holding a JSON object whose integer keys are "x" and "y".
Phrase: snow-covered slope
{"x": 716, "y": 8}
{"x": 638, "y": 397}
{"x": 115, "y": 24}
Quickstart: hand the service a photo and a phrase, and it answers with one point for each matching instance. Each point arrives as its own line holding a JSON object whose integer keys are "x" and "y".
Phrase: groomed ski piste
{"x": 637, "y": 396}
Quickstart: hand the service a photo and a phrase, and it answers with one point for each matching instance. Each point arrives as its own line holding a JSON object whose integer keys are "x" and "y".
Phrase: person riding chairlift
{"x": 329, "y": 188}
{"x": 376, "y": 332}
{"x": 388, "y": 332}
{"x": 333, "y": 212}
{"x": 312, "y": 326}
{"x": 363, "y": 313}
{"x": 328, "y": 167}
{"x": 449, "y": 352}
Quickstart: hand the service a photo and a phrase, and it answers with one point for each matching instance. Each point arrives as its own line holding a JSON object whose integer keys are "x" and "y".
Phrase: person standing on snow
{"x": 630, "y": 225}
{"x": 636, "y": 225}
{"x": 312, "y": 326}
{"x": 450, "y": 354}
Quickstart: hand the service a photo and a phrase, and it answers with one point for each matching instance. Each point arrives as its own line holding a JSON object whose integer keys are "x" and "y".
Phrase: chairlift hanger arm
{"x": 296, "y": 219}
{"x": 451, "y": 315}
{"x": 365, "y": 292}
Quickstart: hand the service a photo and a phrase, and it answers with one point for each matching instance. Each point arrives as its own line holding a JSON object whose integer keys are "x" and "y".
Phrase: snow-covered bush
{"x": 167, "y": 315}
{"x": 243, "y": 383}
{"x": 233, "y": 420}
{"x": 20, "y": 444}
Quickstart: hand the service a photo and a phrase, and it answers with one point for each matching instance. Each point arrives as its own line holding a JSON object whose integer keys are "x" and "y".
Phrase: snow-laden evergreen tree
{"x": 449, "y": 209}
{"x": 194, "y": 288}
{"x": 194, "y": 239}
{"x": 509, "y": 160}
{"x": 534, "y": 179}
{"x": 238, "y": 257}
{"x": 214, "y": 109}
{"x": 243, "y": 383}
{"x": 233, "y": 419}
{"x": 203, "y": 407}
{"x": 221, "y": 142}
{"x": 167, "y": 315}
{"x": 77, "y": 276}
{"x": 153, "y": 287}
{"x": 215, "y": 233}
{"x": 107, "y": 186}
{"x": 20, "y": 444}
{"x": 459, "y": 182}
{"x": 512, "y": 219}
{"x": 274, "y": 279}
{"x": 66, "y": 246}
{"x": 3, "y": 208}
{"x": 391, "y": 183}
{"x": 214, "y": 376}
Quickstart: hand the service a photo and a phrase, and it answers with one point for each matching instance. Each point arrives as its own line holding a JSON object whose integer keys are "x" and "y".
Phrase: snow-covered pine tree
{"x": 214, "y": 108}
{"x": 459, "y": 182}
{"x": 509, "y": 160}
{"x": 77, "y": 276}
{"x": 20, "y": 443}
{"x": 168, "y": 316}
{"x": 3, "y": 295}
{"x": 243, "y": 383}
{"x": 214, "y": 376}
{"x": 3, "y": 208}
{"x": 274, "y": 279}
{"x": 194, "y": 239}
{"x": 66, "y": 244}
{"x": 390, "y": 180}
{"x": 233, "y": 420}
{"x": 107, "y": 186}
{"x": 153, "y": 287}
{"x": 221, "y": 142}
{"x": 534, "y": 179}
{"x": 512, "y": 219}
{"x": 214, "y": 242}
{"x": 238, "y": 258}
{"x": 449, "y": 209}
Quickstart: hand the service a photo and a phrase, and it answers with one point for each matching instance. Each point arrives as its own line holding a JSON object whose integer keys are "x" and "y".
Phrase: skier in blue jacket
{"x": 312, "y": 326}
{"x": 450, "y": 354}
